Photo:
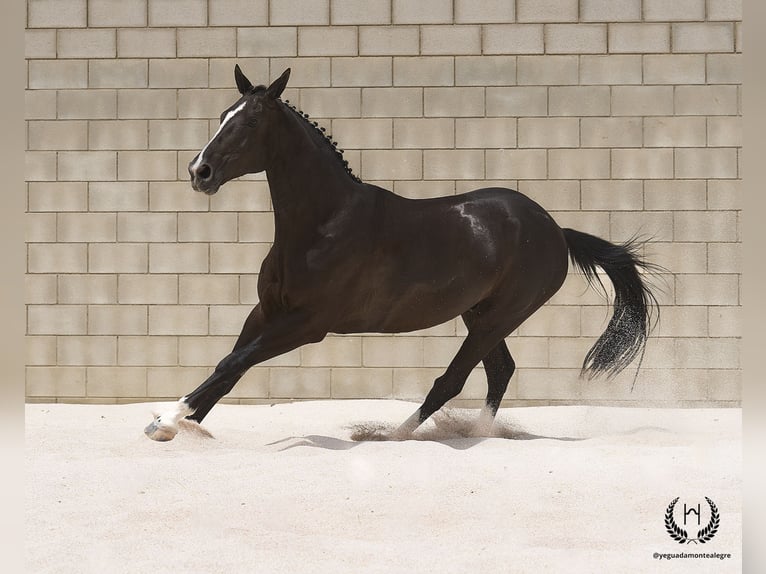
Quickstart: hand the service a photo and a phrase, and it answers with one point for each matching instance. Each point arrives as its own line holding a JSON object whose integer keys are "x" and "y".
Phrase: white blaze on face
{"x": 226, "y": 120}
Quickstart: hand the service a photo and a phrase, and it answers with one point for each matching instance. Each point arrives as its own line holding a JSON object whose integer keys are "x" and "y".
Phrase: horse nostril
{"x": 204, "y": 171}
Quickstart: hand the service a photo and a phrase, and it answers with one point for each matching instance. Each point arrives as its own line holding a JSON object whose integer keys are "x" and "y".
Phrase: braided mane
{"x": 328, "y": 138}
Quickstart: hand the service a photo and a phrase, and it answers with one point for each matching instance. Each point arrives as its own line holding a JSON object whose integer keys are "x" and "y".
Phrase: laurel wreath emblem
{"x": 681, "y": 536}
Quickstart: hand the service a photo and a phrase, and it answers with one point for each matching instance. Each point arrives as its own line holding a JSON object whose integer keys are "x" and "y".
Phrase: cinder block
{"x": 207, "y": 104}
{"x": 439, "y": 351}
{"x": 183, "y": 320}
{"x": 674, "y": 132}
{"x": 610, "y": 10}
{"x": 362, "y": 71}
{"x": 332, "y": 103}
{"x": 389, "y": 40}
{"x": 228, "y": 319}
{"x": 87, "y": 104}
{"x": 686, "y": 321}
{"x": 392, "y": 164}
{"x": 178, "y": 73}
{"x": 91, "y": 43}
{"x": 57, "y": 13}
{"x": 146, "y": 43}
{"x": 423, "y": 189}
{"x": 146, "y": 165}
{"x": 40, "y": 350}
{"x": 675, "y": 195}
{"x": 57, "y": 135}
{"x": 152, "y": 289}
{"x": 707, "y": 289}
{"x": 724, "y": 10}
{"x": 176, "y": 196}
{"x": 611, "y": 132}
{"x": 352, "y": 12}
{"x": 392, "y": 351}
{"x": 208, "y": 289}
{"x": 485, "y": 70}
{"x": 126, "y": 13}
{"x": 725, "y": 321}
{"x": 144, "y": 104}
{"x": 40, "y": 104}
{"x": 706, "y": 100}
{"x": 390, "y": 102}
{"x": 175, "y": 381}
{"x": 579, "y": 101}
{"x": 40, "y": 227}
{"x": 424, "y": 71}
{"x": 117, "y": 134}
{"x": 300, "y": 383}
{"x": 674, "y": 69}
{"x": 256, "y": 227}
{"x": 92, "y": 289}
{"x": 517, "y": 101}
{"x": 238, "y": 13}
{"x": 484, "y": 11}
{"x": 706, "y": 226}
{"x": 172, "y": 13}
{"x": 146, "y": 227}
{"x": 424, "y": 12}
{"x": 237, "y": 258}
{"x": 55, "y": 382}
{"x": 87, "y": 165}
{"x": 450, "y": 40}
{"x": 516, "y": 164}
{"x": 86, "y": 227}
{"x": 706, "y": 163}
{"x": 547, "y": 10}
{"x": 578, "y": 164}
{"x": 221, "y": 73}
{"x": 58, "y": 74}
{"x": 117, "y": 196}
{"x": 56, "y": 319}
{"x": 552, "y": 321}
{"x": 703, "y": 37}
{"x": 453, "y": 164}
{"x": 147, "y": 351}
{"x": 423, "y": 133}
{"x": 362, "y": 383}
{"x": 612, "y": 69}
{"x": 724, "y": 68}
{"x": 207, "y": 227}
{"x": 642, "y": 100}
{"x": 207, "y": 42}
{"x": 724, "y": 131}
{"x": 642, "y": 163}
{"x": 178, "y": 258}
{"x": 639, "y": 38}
{"x": 724, "y": 194}
{"x": 575, "y": 38}
{"x": 612, "y": 195}
{"x": 624, "y": 225}
{"x": 87, "y": 351}
{"x": 699, "y": 353}
{"x": 116, "y": 382}
{"x": 40, "y": 44}
{"x": 117, "y": 258}
{"x": 513, "y": 39}
{"x": 40, "y": 166}
{"x": 306, "y": 72}
{"x": 203, "y": 351}
{"x": 725, "y": 257}
{"x": 657, "y": 10}
{"x": 413, "y": 384}
{"x": 178, "y": 134}
{"x": 328, "y": 41}
{"x": 267, "y": 42}
{"x": 57, "y": 196}
{"x": 485, "y": 133}
{"x": 549, "y": 132}
{"x": 300, "y": 12}
{"x": 333, "y": 352}
{"x": 364, "y": 133}
{"x": 547, "y": 70}
{"x": 559, "y": 195}
{"x": 56, "y": 258}
{"x": 454, "y": 102}
{"x": 117, "y": 319}
{"x": 117, "y": 74}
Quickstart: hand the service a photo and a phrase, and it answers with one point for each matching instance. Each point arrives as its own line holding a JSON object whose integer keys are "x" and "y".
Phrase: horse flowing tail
{"x": 625, "y": 335}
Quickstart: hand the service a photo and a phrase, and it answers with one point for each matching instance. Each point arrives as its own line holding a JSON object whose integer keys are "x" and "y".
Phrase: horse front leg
{"x": 259, "y": 341}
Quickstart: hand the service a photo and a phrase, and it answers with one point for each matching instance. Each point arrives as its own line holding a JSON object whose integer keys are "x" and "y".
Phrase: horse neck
{"x": 307, "y": 182}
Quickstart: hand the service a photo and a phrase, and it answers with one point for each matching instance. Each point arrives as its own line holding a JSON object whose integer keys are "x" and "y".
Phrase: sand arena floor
{"x": 284, "y": 489}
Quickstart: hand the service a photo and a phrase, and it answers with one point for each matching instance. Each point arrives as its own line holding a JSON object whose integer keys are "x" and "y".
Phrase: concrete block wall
{"x": 618, "y": 116}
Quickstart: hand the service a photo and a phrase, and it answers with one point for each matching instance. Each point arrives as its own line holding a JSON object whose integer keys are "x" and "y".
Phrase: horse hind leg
{"x": 499, "y": 367}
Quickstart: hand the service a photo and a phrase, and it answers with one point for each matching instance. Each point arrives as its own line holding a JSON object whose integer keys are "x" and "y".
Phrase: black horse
{"x": 350, "y": 257}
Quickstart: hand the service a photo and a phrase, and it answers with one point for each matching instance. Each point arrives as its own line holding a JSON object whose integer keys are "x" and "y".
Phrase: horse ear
{"x": 278, "y": 86}
{"x": 243, "y": 84}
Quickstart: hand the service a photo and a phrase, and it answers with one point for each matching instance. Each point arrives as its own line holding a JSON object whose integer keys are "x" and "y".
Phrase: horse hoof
{"x": 160, "y": 432}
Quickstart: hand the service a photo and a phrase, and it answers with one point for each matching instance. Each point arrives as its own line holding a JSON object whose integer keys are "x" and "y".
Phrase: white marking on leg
{"x": 169, "y": 419}
{"x": 485, "y": 422}
{"x": 226, "y": 120}
{"x": 406, "y": 429}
